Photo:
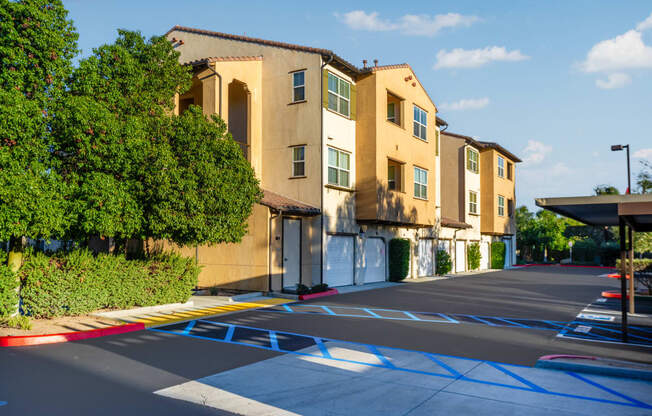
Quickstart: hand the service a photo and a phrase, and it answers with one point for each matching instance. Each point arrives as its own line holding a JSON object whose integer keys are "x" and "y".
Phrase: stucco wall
{"x": 492, "y": 185}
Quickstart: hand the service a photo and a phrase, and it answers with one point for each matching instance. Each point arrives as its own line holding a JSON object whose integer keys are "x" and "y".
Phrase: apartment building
{"x": 477, "y": 200}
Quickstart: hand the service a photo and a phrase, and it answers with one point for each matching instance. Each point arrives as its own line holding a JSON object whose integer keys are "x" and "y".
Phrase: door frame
{"x": 283, "y": 218}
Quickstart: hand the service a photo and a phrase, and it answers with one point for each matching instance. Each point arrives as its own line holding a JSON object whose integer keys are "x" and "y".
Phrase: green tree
{"x": 644, "y": 177}
{"x": 549, "y": 231}
{"x": 606, "y": 190}
{"x": 37, "y": 45}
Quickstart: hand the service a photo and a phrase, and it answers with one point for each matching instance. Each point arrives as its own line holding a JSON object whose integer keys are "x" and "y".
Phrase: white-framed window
{"x": 299, "y": 161}
{"x": 472, "y": 160}
{"x": 501, "y": 166}
{"x": 339, "y": 95}
{"x": 420, "y": 183}
{"x": 420, "y": 123}
{"x": 298, "y": 86}
{"x": 339, "y": 167}
{"x": 473, "y": 202}
{"x": 501, "y": 206}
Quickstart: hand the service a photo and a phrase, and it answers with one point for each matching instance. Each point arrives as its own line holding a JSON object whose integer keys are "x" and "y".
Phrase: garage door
{"x": 484, "y": 256}
{"x": 460, "y": 256}
{"x": 339, "y": 261}
{"x": 374, "y": 261}
{"x": 425, "y": 259}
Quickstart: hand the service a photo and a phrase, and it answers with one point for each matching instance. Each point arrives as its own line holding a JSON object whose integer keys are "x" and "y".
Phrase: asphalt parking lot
{"x": 489, "y": 317}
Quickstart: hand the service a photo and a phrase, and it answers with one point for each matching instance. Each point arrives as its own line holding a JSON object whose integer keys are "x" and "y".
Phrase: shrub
{"x": 18, "y": 322}
{"x": 322, "y": 287}
{"x": 473, "y": 254}
{"x": 8, "y": 294}
{"x": 497, "y": 255}
{"x": 609, "y": 252}
{"x": 444, "y": 263}
{"x": 302, "y": 289}
{"x": 585, "y": 250}
{"x": 76, "y": 282}
{"x": 399, "y": 259}
{"x": 642, "y": 272}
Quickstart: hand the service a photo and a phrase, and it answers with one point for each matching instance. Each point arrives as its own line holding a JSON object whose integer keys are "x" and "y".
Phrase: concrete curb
{"x": 21, "y": 341}
{"x": 595, "y": 365}
{"x": 145, "y": 309}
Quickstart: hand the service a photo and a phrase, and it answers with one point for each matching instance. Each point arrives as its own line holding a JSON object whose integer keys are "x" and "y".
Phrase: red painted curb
{"x": 612, "y": 294}
{"x": 556, "y": 356}
{"x": 328, "y": 292}
{"x": 588, "y": 267}
{"x": 617, "y": 275}
{"x": 21, "y": 341}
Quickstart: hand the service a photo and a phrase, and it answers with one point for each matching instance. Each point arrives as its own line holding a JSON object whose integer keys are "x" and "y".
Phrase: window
{"x": 420, "y": 183}
{"x": 501, "y": 206}
{"x": 298, "y": 86}
{"x": 472, "y": 160}
{"x": 420, "y": 123}
{"x": 391, "y": 112}
{"x": 473, "y": 202}
{"x": 510, "y": 207}
{"x": 501, "y": 167}
{"x": 338, "y": 167}
{"x": 393, "y": 109}
{"x": 394, "y": 174}
{"x": 510, "y": 166}
{"x": 339, "y": 95}
{"x": 299, "y": 161}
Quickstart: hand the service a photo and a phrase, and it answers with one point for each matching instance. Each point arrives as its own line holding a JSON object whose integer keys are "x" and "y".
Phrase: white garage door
{"x": 484, "y": 256}
{"x": 374, "y": 260}
{"x": 339, "y": 261}
{"x": 425, "y": 259}
{"x": 460, "y": 256}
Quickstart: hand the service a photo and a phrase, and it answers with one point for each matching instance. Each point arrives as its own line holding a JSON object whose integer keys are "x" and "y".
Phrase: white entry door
{"x": 425, "y": 259}
{"x": 374, "y": 260}
{"x": 484, "y": 255}
{"x": 291, "y": 253}
{"x": 460, "y": 256}
{"x": 339, "y": 260}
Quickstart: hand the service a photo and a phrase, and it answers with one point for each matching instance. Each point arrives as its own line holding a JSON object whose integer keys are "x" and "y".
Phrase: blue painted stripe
{"x": 380, "y": 356}
{"x": 319, "y": 341}
{"x": 411, "y": 316}
{"x": 372, "y": 313}
{"x": 608, "y": 390}
{"x": 229, "y": 333}
{"x": 448, "y": 318}
{"x": 328, "y": 310}
{"x": 618, "y": 331}
{"x": 287, "y": 308}
{"x": 561, "y": 325}
{"x": 442, "y": 364}
{"x": 517, "y": 377}
{"x": 273, "y": 341}
{"x": 511, "y": 322}
{"x": 480, "y": 320}
{"x": 322, "y": 348}
{"x": 2, "y": 403}
{"x": 189, "y": 327}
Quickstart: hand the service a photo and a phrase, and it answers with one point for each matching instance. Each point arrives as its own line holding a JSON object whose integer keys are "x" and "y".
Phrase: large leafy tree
{"x": 137, "y": 170}
{"x": 37, "y": 45}
{"x": 644, "y": 177}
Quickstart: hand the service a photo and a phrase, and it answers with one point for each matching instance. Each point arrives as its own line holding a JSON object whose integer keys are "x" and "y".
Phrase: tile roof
{"x": 287, "y": 205}
{"x": 223, "y": 59}
{"x": 323, "y": 52}
{"x": 452, "y": 223}
{"x": 485, "y": 145}
{"x": 372, "y": 69}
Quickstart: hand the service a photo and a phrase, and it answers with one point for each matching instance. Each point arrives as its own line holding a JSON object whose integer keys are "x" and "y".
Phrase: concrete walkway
{"x": 198, "y": 307}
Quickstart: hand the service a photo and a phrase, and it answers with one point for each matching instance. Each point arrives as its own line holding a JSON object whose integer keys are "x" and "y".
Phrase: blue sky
{"x": 555, "y": 82}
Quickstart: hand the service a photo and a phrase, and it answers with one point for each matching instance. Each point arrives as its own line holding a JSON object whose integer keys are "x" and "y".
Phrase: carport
{"x": 628, "y": 212}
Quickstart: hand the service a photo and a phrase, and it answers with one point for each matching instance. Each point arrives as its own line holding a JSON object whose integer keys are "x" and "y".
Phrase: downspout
{"x": 321, "y": 168}
{"x": 210, "y": 68}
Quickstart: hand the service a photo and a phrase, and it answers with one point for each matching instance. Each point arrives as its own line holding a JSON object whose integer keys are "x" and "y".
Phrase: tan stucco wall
{"x": 492, "y": 185}
{"x": 378, "y": 139}
{"x": 452, "y": 177}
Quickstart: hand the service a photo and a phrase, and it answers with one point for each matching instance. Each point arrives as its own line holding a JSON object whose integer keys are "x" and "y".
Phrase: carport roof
{"x": 604, "y": 210}
{"x": 287, "y": 205}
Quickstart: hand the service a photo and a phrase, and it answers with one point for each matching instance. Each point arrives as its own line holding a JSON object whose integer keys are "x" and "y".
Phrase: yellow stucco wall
{"x": 378, "y": 139}
{"x": 491, "y": 186}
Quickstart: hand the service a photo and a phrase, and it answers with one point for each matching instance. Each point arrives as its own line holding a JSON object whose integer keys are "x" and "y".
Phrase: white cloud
{"x": 560, "y": 169}
{"x": 615, "y": 80}
{"x": 409, "y": 24}
{"x": 466, "y": 104}
{"x": 473, "y": 58}
{"x": 643, "y": 153}
{"x": 622, "y": 52}
{"x": 535, "y": 152}
{"x": 645, "y": 24}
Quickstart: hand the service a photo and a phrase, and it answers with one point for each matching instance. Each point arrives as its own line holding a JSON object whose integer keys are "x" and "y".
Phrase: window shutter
{"x": 324, "y": 88}
{"x": 353, "y": 102}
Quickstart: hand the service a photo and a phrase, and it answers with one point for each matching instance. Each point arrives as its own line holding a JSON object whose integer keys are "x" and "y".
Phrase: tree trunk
{"x": 16, "y": 248}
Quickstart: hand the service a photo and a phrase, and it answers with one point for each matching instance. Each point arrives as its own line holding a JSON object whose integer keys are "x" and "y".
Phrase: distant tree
{"x": 606, "y": 190}
{"x": 644, "y": 177}
{"x": 643, "y": 243}
{"x": 549, "y": 231}
{"x": 37, "y": 45}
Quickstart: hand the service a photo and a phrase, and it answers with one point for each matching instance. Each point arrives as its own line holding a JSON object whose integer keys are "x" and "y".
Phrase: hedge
{"x": 8, "y": 286}
{"x": 640, "y": 265}
{"x": 497, "y": 255}
{"x": 78, "y": 282}
{"x": 399, "y": 259}
{"x": 585, "y": 250}
{"x": 473, "y": 254}
{"x": 444, "y": 263}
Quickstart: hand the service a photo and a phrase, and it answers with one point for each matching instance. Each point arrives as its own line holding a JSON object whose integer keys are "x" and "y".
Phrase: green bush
{"x": 609, "y": 252}
{"x": 18, "y": 322}
{"x": 8, "y": 295}
{"x": 321, "y": 287}
{"x": 77, "y": 282}
{"x": 640, "y": 265}
{"x": 473, "y": 254}
{"x": 444, "y": 263}
{"x": 399, "y": 259}
{"x": 497, "y": 255}
{"x": 585, "y": 250}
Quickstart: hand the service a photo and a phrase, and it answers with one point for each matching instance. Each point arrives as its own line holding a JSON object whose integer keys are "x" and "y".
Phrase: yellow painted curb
{"x": 208, "y": 312}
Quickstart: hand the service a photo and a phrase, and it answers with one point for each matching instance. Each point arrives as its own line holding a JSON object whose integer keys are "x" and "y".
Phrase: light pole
{"x": 619, "y": 147}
